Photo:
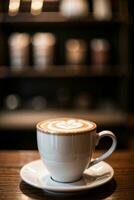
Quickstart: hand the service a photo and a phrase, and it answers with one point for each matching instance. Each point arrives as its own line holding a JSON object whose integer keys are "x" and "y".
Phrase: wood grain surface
{"x": 121, "y": 187}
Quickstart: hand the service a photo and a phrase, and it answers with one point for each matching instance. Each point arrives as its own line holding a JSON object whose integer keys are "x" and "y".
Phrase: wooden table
{"x": 12, "y": 187}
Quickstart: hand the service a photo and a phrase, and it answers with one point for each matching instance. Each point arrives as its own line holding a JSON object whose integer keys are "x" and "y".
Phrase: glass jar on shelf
{"x": 102, "y": 9}
{"x": 74, "y": 9}
{"x": 76, "y": 50}
{"x": 43, "y": 50}
{"x": 12, "y": 102}
{"x": 100, "y": 54}
{"x": 19, "y": 50}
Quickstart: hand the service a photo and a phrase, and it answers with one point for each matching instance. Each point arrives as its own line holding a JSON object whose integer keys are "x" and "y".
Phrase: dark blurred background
{"x": 61, "y": 60}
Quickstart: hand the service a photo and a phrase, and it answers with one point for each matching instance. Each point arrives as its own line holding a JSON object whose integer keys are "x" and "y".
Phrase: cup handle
{"x": 109, "y": 151}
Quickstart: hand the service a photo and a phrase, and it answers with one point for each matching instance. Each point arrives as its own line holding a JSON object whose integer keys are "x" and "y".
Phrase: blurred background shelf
{"x": 83, "y": 90}
{"x": 64, "y": 71}
{"x": 56, "y": 17}
{"x": 29, "y": 119}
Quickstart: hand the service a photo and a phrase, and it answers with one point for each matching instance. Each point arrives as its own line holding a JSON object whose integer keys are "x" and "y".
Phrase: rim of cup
{"x": 90, "y": 126}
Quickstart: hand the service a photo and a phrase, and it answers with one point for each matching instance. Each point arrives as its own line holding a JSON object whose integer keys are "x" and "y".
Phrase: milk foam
{"x": 66, "y": 125}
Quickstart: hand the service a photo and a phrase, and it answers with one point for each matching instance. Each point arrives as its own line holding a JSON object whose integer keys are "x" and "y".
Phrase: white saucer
{"x": 36, "y": 174}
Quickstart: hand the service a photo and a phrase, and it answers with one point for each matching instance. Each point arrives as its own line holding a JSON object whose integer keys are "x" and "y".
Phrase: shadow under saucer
{"x": 98, "y": 193}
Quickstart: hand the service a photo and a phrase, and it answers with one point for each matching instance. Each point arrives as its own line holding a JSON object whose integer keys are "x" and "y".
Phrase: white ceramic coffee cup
{"x": 67, "y": 152}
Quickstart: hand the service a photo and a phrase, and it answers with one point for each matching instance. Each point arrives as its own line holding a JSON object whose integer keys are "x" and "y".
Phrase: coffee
{"x": 66, "y": 126}
{"x": 66, "y": 146}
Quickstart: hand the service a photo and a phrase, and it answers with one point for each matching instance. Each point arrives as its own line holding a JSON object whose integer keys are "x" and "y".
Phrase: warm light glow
{"x": 36, "y": 6}
{"x": 14, "y": 7}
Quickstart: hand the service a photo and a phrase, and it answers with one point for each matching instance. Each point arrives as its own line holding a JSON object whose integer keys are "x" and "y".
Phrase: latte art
{"x": 68, "y": 124}
{"x": 65, "y": 126}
